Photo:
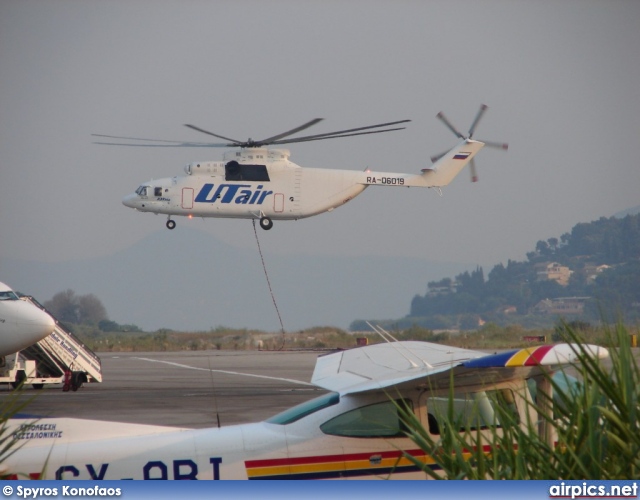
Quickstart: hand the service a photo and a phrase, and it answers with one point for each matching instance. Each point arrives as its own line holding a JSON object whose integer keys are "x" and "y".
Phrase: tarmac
{"x": 193, "y": 389}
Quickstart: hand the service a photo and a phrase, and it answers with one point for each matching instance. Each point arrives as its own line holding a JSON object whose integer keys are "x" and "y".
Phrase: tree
{"x": 90, "y": 309}
{"x": 64, "y": 306}
{"x": 542, "y": 248}
{"x": 68, "y": 307}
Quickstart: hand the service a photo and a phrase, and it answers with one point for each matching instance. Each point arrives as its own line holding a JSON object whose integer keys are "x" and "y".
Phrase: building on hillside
{"x": 440, "y": 288}
{"x": 507, "y": 310}
{"x": 561, "y": 305}
{"x": 591, "y": 272}
{"x": 553, "y": 271}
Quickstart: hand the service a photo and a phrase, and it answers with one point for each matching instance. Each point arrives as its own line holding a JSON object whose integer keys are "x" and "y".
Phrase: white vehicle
{"x": 353, "y": 431}
{"x": 261, "y": 183}
{"x": 21, "y": 322}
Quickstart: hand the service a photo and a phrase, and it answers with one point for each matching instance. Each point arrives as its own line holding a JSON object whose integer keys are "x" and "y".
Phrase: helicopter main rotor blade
{"x": 315, "y": 138}
{"x": 263, "y": 142}
{"x": 138, "y": 139}
{"x": 181, "y": 145}
{"x": 276, "y": 139}
{"x": 271, "y": 140}
{"x": 234, "y": 141}
{"x": 167, "y": 143}
{"x": 483, "y": 108}
{"x": 343, "y": 133}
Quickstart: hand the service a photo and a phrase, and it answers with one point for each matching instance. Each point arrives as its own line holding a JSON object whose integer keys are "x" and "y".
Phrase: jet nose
{"x": 28, "y": 324}
{"x": 43, "y": 323}
{"x": 37, "y": 321}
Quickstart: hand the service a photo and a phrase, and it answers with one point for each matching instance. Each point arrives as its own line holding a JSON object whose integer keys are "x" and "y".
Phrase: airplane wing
{"x": 381, "y": 366}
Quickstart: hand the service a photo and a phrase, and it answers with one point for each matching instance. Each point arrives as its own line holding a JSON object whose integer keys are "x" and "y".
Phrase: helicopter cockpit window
{"x": 377, "y": 420}
{"x": 142, "y": 191}
{"x": 235, "y": 171}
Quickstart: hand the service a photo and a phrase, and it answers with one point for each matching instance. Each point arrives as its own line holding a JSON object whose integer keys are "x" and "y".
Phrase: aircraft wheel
{"x": 77, "y": 380}
{"x": 171, "y": 224}
{"x": 266, "y": 223}
{"x": 20, "y": 378}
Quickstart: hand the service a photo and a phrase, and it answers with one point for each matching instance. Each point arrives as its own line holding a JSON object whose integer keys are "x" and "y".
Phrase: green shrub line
{"x": 488, "y": 337}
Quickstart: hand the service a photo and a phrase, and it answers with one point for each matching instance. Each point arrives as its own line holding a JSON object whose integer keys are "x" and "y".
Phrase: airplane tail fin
{"x": 449, "y": 165}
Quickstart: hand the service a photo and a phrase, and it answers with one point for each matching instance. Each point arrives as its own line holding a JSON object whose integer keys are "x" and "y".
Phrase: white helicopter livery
{"x": 261, "y": 183}
{"x": 352, "y": 432}
{"x": 22, "y": 324}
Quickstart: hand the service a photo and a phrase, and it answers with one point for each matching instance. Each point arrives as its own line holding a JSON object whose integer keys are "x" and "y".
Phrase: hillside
{"x": 591, "y": 271}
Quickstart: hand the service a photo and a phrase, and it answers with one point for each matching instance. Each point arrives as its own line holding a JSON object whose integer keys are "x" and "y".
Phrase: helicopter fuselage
{"x": 261, "y": 183}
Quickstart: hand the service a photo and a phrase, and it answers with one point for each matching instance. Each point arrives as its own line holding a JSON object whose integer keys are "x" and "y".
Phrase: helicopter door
{"x": 187, "y": 198}
{"x": 278, "y": 202}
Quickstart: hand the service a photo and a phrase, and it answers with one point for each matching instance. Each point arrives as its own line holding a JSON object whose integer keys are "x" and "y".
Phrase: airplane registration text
{"x": 395, "y": 181}
{"x": 156, "y": 469}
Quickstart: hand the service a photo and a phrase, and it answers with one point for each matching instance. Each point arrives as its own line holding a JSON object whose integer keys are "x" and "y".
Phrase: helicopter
{"x": 256, "y": 182}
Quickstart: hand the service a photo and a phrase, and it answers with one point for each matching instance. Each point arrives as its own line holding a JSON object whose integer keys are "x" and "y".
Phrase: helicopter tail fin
{"x": 447, "y": 166}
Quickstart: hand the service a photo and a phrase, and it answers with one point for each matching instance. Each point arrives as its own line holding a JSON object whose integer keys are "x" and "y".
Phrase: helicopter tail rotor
{"x": 472, "y": 164}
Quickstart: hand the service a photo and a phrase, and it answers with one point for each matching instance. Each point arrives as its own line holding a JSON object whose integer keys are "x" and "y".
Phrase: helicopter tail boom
{"x": 449, "y": 165}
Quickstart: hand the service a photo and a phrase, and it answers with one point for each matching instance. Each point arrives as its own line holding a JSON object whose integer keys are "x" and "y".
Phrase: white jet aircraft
{"x": 260, "y": 183}
{"x": 21, "y": 323}
{"x": 354, "y": 431}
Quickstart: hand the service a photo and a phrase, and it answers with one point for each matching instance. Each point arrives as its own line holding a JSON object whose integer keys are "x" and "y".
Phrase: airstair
{"x": 60, "y": 358}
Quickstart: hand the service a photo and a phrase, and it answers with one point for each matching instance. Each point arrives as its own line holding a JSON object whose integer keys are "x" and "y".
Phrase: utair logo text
{"x": 232, "y": 193}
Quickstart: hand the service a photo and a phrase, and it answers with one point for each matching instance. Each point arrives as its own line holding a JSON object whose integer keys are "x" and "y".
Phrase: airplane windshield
{"x": 372, "y": 421}
{"x": 8, "y": 295}
{"x": 302, "y": 410}
{"x": 142, "y": 191}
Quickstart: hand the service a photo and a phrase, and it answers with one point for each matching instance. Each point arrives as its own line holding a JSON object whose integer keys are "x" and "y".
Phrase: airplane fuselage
{"x": 324, "y": 444}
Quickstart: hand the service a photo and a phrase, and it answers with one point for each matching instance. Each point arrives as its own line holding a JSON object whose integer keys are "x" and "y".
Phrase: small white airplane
{"x": 261, "y": 183}
{"x": 22, "y": 324}
{"x": 352, "y": 432}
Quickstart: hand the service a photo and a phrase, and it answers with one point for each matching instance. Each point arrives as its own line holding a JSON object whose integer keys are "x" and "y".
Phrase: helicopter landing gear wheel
{"x": 266, "y": 223}
{"x": 171, "y": 224}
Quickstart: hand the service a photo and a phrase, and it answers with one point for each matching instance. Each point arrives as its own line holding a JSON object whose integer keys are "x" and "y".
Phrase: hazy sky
{"x": 561, "y": 79}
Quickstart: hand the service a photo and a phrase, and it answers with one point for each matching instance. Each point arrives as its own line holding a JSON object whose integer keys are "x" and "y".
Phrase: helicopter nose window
{"x": 141, "y": 191}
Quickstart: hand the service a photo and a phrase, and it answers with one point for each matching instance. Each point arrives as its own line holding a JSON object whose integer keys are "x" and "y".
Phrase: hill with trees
{"x": 591, "y": 271}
